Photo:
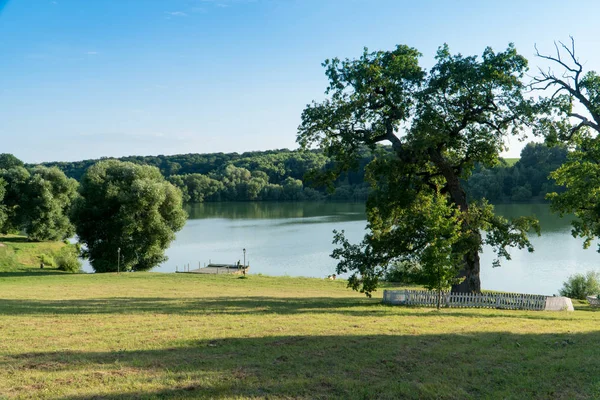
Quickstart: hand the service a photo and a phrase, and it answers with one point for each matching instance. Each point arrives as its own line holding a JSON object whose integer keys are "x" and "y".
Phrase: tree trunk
{"x": 470, "y": 271}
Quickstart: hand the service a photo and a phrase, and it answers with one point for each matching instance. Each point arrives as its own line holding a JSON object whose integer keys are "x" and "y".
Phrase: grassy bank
{"x": 19, "y": 255}
{"x": 147, "y": 335}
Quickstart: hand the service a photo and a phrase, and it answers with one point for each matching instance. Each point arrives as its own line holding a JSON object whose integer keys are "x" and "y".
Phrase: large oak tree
{"x": 439, "y": 124}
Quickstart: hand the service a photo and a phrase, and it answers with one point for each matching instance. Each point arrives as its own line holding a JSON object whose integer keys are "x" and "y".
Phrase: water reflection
{"x": 317, "y": 211}
{"x": 549, "y": 221}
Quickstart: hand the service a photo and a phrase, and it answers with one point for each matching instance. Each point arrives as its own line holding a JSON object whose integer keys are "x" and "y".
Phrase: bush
{"x": 68, "y": 261}
{"x": 405, "y": 272}
{"x": 521, "y": 193}
{"x": 579, "y": 286}
{"x": 47, "y": 260}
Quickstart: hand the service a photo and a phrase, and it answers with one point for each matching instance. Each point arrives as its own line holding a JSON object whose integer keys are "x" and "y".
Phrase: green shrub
{"x": 579, "y": 286}
{"x": 405, "y": 272}
{"x": 67, "y": 260}
{"x": 47, "y": 260}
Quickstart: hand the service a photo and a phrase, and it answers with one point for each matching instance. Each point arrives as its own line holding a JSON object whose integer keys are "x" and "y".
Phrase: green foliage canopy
{"x": 8, "y": 161}
{"x": 579, "y": 286}
{"x": 439, "y": 124}
{"x": 49, "y": 195}
{"x": 38, "y": 201}
{"x": 127, "y": 206}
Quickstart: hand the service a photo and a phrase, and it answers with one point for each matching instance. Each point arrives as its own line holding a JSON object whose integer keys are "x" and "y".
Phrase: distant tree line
{"x": 286, "y": 175}
{"x": 525, "y": 181}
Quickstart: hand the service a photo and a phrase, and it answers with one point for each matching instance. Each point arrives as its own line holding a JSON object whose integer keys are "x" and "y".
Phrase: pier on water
{"x": 216, "y": 269}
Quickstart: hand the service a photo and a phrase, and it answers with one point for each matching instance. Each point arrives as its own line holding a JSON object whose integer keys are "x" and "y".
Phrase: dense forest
{"x": 284, "y": 175}
{"x": 525, "y": 181}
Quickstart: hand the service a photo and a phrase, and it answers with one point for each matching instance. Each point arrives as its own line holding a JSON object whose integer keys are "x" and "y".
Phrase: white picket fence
{"x": 593, "y": 300}
{"x": 509, "y": 301}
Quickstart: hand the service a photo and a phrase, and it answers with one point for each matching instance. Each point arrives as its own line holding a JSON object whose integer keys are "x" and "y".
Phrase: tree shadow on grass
{"x": 583, "y": 305}
{"x": 24, "y": 272}
{"x": 194, "y": 306}
{"x": 251, "y": 305}
{"x": 15, "y": 239}
{"x": 449, "y": 366}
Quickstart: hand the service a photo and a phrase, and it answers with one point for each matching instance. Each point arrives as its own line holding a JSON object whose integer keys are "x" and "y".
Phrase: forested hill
{"x": 282, "y": 175}
{"x": 525, "y": 181}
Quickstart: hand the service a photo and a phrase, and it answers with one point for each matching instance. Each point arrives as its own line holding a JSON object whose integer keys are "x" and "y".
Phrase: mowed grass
{"x": 145, "y": 335}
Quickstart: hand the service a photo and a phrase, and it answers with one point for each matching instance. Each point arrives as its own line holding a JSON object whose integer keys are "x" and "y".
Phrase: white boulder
{"x": 556, "y": 303}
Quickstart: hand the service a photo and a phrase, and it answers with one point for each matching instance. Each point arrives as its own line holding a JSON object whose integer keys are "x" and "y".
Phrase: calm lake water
{"x": 295, "y": 239}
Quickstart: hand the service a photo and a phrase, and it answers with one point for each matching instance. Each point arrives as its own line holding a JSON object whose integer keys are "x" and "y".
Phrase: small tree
{"x": 441, "y": 257}
{"x": 128, "y": 207}
{"x": 579, "y": 286}
{"x": 67, "y": 259}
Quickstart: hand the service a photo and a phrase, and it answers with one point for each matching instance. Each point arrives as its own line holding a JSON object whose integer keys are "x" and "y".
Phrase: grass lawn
{"x": 145, "y": 335}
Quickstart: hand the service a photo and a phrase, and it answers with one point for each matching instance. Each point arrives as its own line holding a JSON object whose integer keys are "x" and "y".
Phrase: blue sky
{"x": 86, "y": 79}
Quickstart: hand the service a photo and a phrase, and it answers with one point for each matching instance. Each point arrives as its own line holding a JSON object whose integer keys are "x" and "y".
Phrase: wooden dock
{"x": 217, "y": 269}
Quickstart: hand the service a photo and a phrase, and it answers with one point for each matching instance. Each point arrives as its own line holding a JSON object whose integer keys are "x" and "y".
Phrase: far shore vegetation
{"x": 286, "y": 175}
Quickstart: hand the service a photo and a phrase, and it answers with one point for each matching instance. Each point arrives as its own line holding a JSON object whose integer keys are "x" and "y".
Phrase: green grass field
{"x": 511, "y": 161}
{"x": 145, "y": 335}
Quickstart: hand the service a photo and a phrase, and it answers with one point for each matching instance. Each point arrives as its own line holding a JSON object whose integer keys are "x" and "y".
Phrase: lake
{"x": 295, "y": 239}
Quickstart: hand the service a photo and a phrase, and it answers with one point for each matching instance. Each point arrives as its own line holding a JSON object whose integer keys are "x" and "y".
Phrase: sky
{"x": 108, "y": 78}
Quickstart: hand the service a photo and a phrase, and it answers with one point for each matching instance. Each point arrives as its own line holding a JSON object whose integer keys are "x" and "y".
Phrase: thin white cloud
{"x": 203, "y": 6}
{"x": 91, "y": 53}
{"x": 224, "y": 3}
{"x": 177, "y": 14}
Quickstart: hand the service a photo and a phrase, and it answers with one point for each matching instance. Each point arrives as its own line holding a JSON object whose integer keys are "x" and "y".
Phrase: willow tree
{"x": 126, "y": 216}
{"x": 439, "y": 124}
{"x": 573, "y": 117}
{"x": 37, "y": 201}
